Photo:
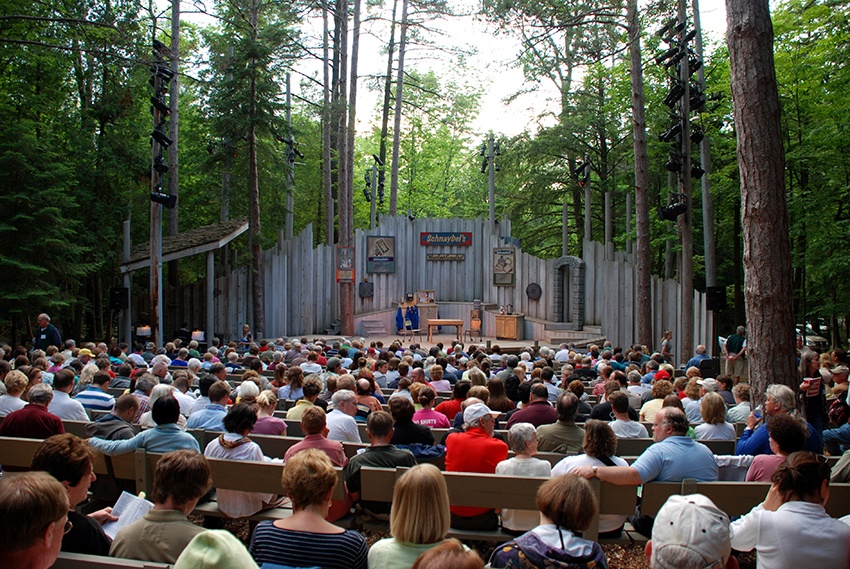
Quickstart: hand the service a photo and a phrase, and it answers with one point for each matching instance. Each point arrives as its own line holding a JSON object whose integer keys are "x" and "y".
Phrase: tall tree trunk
{"x": 644, "y": 293}
{"x": 174, "y": 117}
{"x": 764, "y": 219}
{"x": 397, "y": 119}
{"x": 385, "y": 111}
{"x": 254, "y": 194}
{"x": 327, "y": 178}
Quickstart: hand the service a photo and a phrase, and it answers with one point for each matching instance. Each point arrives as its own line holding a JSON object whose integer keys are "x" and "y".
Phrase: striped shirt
{"x": 271, "y": 544}
{"x": 96, "y": 400}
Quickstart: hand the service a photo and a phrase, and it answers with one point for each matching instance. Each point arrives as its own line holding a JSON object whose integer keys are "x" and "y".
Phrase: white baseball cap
{"x": 476, "y": 411}
{"x": 694, "y": 528}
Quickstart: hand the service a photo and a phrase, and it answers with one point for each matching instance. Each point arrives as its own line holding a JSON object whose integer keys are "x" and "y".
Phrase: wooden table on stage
{"x": 437, "y": 322}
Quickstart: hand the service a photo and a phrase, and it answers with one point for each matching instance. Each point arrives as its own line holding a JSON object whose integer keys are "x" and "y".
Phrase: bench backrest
{"x": 81, "y": 561}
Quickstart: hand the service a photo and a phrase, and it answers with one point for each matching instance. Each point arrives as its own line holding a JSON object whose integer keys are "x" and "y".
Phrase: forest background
{"x": 75, "y": 124}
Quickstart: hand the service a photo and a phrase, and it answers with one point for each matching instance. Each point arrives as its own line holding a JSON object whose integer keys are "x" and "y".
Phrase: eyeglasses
{"x": 68, "y": 526}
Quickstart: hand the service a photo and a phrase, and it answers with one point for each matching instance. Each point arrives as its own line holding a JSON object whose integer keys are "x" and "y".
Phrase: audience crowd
{"x": 473, "y": 409}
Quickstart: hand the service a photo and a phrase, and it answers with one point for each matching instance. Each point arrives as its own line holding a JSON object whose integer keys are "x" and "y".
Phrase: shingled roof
{"x": 201, "y": 240}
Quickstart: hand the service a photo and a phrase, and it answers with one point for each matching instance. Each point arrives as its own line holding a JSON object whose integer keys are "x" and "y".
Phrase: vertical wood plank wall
{"x": 301, "y": 296}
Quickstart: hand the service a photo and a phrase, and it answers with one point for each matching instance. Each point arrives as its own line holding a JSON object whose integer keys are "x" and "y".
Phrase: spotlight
{"x": 497, "y": 150}
{"x": 367, "y": 194}
{"x": 484, "y": 166}
{"x": 666, "y": 55}
{"x": 160, "y": 105}
{"x": 671, "y": 133}
{"x": 164, "y": 73}
{"x": 675, "y": 59}
{"x": 697, "y": 171}
{"x": 483, "y": 150}
{"x": 691, "y": 35}
{"x": 378, "y": 159}
{"x": 697, "y": 101}
{"x": 368, "y": 179}
{"x": 159, "y": 165}
{"x": 166, "y": 200}
{"x": 161, "y": 138}
{"x": 660, "y": 32}
{"x": 410, "y": 216}
{"x": 676, "y": 93}
{"x": 694, "y": 65}
{"x": 673, "y": 164}
{"x": 697, "y": 135}
{"x": 672, "y": 211}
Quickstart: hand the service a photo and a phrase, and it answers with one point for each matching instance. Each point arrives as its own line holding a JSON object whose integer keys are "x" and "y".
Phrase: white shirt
{"x": 798, "y": 534}
{"x": 721, "y": 432}
{"x": 606, "y": 523}
{"x": 185, "y": 400}
{"x": 66, "y": 408}
{"x": 308, "y": 368}
{"x": 199, "y": 404}
{"x": 8, "y": 404}
{"x": 562, "y": 355}
{"x": 235, "y": 503}
{"x": 522, "y": 520}
{"x": 628, "y": 429}
{"x": 138, "y": 360}
{"x": 342, "y": 427}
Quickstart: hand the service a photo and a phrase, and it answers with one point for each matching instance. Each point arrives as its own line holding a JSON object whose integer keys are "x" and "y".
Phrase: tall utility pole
{"x": 290, "y": 159}
{"x": 173, "y": 178}
{"x": 705, "y": 162}
{"x": 491, "y": 181}
{"x": 685, "y": 223}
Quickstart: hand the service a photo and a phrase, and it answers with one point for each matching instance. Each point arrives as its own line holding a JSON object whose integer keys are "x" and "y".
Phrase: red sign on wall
{"x": 455, "y": 238}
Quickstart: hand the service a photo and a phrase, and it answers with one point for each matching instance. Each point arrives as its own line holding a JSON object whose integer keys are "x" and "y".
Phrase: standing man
{"x": 47, "y": 334}
{"x": 734, "y": 351}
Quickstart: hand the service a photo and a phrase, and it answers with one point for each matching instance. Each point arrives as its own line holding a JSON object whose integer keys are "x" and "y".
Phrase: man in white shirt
{"x": 340, "y": 422}
{"x": 563, "y": 354}
{"x": 62, "y": 405}
{"x": 622, "y": 426}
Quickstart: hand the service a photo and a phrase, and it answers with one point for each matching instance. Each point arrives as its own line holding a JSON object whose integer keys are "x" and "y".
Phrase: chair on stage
{"x": 474, "y": 326}
{"x": 409, "y": 330}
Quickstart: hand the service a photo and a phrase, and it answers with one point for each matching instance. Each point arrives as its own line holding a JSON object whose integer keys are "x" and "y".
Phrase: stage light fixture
{"x": 166, "y": 200}
{"x": 161, "y": 138}
{"x": 672, "y": 211}
{"x": 697, "y": 134}
{"x": 160, "y": 105}
{"x": 676, "y": 93}
{"x": 673, "y": 164}
{"x": 671, "y": 133}
{"x": 697, "y": 171}
{"x": 160, "y": 165}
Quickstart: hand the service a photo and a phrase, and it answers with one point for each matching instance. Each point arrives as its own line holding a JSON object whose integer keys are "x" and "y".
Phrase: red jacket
{"x": 473, "y": 451}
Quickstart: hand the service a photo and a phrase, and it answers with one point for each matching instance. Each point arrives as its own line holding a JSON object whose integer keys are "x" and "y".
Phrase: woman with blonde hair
{"x": 15, "y": 383}
{"x": 267, "y": 423}
{"x": 714, "y": 425}
{"x": 305, "y": 539}
{"x": 419, "y": 519}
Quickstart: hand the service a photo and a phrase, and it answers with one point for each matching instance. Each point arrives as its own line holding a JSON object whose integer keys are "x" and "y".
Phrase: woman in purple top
{"x": 267, "y": 423}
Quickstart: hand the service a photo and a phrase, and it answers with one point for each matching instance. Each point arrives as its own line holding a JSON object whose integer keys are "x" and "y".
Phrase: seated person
{"x": 791, "y": 527}
{"x": 308, "y": 480}
{"x": 68, "y": 459}
{"x": 180, "y": 479}
{"x": 34, "y": 521}
{"x": 405, "y": 431}
{"x": 211, "y": 417}
{"x": 116, "y": 425}
{"x": 215, "y": 549}
{"x": 165, "y": 437}
{"x": 690, "y": 532}
{"x": 146, "y": 420}
{"x": 380, "y": 454}
{"x": 450, "y": 553}
{"x": 567, "y": 505}
{"x": 522, "y": 438}
{"x": 419, "y": 519}
{"x": 787, "y": 435}
{"x": 235, "y": 445}
{"x": 33, "y": 421}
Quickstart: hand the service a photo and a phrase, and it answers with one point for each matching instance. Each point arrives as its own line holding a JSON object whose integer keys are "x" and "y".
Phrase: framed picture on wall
{"x": 504, "y": 266}
{"x": 426, "y": 296}
{"x": 345, "y": 264}
{"x": 380, "y": 254}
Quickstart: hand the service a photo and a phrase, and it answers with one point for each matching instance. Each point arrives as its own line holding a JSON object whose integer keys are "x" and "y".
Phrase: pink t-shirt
{"x": 431, "y": 418}
{"x": 763, "y": 466}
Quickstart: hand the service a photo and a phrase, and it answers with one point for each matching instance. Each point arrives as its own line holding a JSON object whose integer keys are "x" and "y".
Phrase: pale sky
{"x": 492, "y": 66}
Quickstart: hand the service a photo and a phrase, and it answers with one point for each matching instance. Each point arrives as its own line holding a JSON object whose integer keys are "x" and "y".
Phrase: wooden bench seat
{"x": 81, "y": 561}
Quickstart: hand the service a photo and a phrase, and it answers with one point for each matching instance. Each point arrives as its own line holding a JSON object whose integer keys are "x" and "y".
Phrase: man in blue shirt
{"x": 699, "y": 356}
{"x": 211, "y": 417}
{"x": 779, "y": 400}
{"x": 165, "y": 437}
{"x": 674, "y": 456}
{"x": 95, "y": 397}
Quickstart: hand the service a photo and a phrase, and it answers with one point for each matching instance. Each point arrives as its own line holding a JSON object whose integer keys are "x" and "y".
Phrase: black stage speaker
{"x": 119, "y": 298}
{"x": 715, "y": 298}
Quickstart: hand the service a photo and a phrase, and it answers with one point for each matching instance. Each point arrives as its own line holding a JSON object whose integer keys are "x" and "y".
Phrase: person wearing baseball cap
{"x": 838, "y": 414}
{"x": 690, "y": 532}
{"x": 475, "y": 450}
{"x": 692, "y": 409}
